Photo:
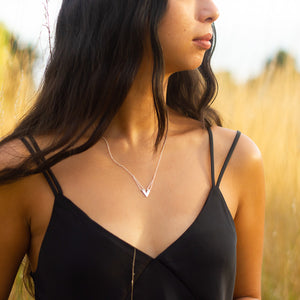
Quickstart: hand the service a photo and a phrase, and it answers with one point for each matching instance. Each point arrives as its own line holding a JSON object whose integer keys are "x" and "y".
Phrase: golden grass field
{"x": 267, "y": 109}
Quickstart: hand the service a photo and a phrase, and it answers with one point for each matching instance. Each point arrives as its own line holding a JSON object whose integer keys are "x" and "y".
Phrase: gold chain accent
{"x": 132, "y": 273}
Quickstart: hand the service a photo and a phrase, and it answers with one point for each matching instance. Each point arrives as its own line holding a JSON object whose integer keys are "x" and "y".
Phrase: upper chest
{"x": 109, "y": 196}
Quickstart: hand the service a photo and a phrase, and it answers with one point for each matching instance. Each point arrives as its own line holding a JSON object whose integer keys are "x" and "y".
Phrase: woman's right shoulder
{"x": 12, "y": 154}
{"x": 14, "y": 216}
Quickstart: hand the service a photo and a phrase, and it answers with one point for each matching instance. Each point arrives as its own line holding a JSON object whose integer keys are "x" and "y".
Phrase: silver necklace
{"x": 146, "y": 191}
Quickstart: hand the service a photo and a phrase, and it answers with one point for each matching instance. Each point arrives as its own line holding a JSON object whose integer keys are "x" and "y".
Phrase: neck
{"x": 136, "y": 121}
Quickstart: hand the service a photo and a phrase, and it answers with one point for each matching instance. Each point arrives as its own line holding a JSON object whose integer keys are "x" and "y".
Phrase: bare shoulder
{"x": 14, "y": 217}
{"x": 247, "y": 180}
{"x": 12, "y": 154}
{"x": 24, "y": 191}
{"x": 246, "y": 172}
{"x": 246, "y": 156}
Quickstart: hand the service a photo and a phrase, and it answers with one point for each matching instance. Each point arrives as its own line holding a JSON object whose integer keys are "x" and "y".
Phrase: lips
{"x": 206, "y": 37}
{"x": 203, "y": 42}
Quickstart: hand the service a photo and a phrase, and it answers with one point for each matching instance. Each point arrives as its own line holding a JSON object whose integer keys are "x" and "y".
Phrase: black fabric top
{"x": 80, "y": 259}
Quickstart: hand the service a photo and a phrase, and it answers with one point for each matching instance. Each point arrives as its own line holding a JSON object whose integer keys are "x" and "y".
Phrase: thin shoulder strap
{"x": 51, "y": 179}
{"x": 212, "y": 163}
{"x": 211, "y": 144}
{"x": 237, "y": 136}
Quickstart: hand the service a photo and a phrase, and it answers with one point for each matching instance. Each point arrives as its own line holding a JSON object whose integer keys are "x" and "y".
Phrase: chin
{"x": 192, "y": 65}
{"x": 196, "y": 62}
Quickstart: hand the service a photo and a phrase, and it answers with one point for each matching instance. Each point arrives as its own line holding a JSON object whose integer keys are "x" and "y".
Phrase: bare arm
{"x": 249, "y": 222}
{"x": 14, "y": 232}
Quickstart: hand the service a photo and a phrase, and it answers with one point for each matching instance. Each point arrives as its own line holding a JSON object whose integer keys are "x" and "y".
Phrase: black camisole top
{"x": 81, "y": 260}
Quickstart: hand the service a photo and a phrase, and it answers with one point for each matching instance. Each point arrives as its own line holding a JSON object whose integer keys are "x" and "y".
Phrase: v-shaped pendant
{"x": 146, "y": 192}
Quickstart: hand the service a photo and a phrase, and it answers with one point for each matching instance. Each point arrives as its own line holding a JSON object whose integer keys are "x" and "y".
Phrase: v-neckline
{"x": 127, "y": 244}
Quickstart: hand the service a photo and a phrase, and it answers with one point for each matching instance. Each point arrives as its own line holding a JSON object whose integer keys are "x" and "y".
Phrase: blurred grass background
{"x": 16, "y": 82}
{"x": 266, "y": 108}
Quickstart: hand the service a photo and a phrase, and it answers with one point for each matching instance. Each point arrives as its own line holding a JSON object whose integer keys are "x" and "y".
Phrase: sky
{"x": 249, "y": 32}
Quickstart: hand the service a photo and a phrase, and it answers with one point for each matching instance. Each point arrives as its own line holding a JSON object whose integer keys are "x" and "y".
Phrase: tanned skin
{"x": 183, "y": 181}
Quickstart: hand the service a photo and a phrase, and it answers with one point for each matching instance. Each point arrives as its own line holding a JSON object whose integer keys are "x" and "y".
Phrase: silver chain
{"x": 146, "y": 191}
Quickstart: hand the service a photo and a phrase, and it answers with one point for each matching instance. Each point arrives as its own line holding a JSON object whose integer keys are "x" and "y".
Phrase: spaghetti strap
{"x": 211, "y": 146}
{"x": 237, "y": 136}
{"x": 211, "y": 149}
{"x": 50, "y": 177}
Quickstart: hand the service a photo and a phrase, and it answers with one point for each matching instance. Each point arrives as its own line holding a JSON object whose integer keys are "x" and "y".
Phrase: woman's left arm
{"x": 249, "y": 221}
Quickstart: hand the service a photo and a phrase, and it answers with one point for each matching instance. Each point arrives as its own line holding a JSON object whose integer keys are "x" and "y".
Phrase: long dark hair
{"x": 99, "y": 45}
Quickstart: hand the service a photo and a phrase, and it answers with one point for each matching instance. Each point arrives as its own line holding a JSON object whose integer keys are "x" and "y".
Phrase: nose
{"x": 207, "y": 11}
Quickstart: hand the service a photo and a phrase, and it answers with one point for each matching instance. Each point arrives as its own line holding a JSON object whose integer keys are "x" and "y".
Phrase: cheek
{"x": 172, "y": 30}
{"x": 176, "y": 33}
{"x": 180, "y": 54}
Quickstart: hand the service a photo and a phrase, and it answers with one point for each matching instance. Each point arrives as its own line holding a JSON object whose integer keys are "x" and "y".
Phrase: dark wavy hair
{"x": 99, "y": 45}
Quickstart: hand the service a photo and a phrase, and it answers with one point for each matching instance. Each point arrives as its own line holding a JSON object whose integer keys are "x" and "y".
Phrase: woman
{"x": 120, "y": 182}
